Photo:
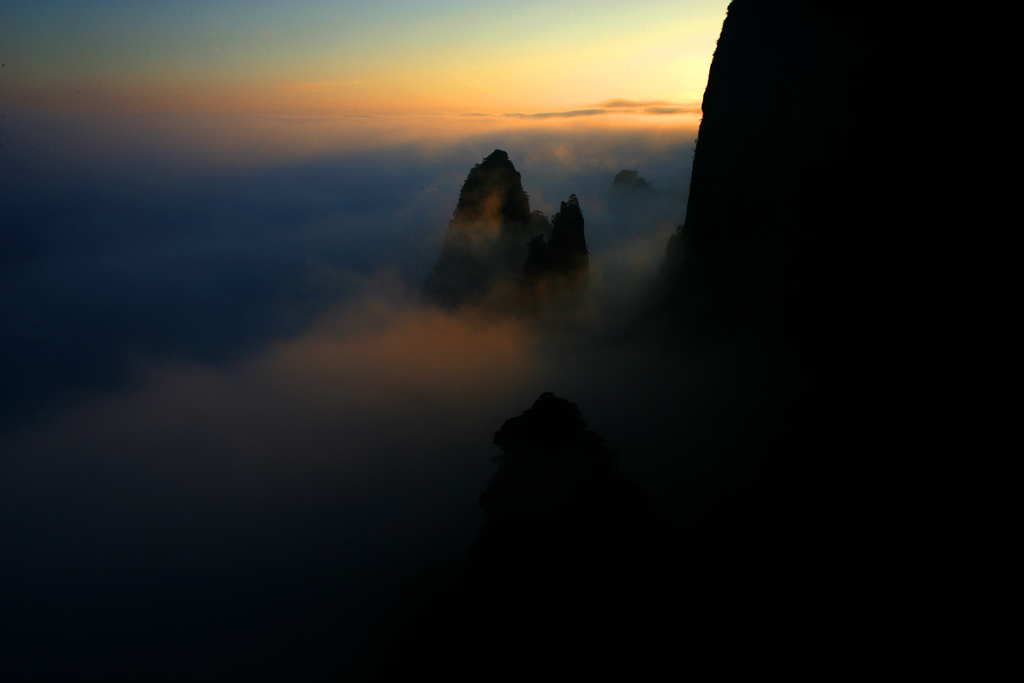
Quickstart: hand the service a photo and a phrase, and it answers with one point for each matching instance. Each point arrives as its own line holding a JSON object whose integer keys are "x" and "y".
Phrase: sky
{"x": 229, "y": 425}
{"x": 358, "y": 58}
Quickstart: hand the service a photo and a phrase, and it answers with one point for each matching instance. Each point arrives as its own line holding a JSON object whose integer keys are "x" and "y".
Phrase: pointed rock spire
{"x": 487, "y": 236}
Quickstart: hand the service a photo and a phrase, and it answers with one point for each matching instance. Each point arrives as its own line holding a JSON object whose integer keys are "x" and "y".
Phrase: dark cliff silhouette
{"x": 497, "y": 252}
{"x": 803, "y": 216}
{"x": 799, "y": 257}
{"x": 804, "y": 202}
{"x": 777, "y": 225}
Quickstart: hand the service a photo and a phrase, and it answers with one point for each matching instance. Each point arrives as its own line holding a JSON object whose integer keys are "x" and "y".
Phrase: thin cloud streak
{"x": 616, "y": 106}
{"x": 611, "y": 104}
{"x": 559, "y": 114}
{"x": 671, "y": 110}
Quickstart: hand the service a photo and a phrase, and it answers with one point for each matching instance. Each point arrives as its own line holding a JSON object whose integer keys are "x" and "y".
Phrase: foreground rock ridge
{"x": 497, "y": 250}
{"x": 570, "y": 558}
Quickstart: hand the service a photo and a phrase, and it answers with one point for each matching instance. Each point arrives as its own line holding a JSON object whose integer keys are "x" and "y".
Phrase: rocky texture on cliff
{"x": 496, "y": 249}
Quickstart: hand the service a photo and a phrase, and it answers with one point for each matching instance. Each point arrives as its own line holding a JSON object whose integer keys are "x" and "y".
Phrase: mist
{"x": 231, "y": 427}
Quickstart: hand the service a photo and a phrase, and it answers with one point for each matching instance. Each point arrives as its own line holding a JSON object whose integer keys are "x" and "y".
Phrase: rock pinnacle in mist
{"x": 487, "y": 236}
{"x": 497, "y": 250}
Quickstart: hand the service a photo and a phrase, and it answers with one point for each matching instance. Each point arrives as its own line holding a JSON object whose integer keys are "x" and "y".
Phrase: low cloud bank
{"x": 285, "y": 494}
{"x": 312, "y": 475}
{"x": 142, "y": 245}
{"x": 231, "y": 427}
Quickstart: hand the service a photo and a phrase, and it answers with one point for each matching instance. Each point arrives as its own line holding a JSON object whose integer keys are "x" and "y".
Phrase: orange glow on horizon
{"x": 320, "y": 98}
{"x": 545, "y": 61}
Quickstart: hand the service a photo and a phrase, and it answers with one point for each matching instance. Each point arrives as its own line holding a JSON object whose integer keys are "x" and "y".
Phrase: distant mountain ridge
{"x": 630, "y": 180}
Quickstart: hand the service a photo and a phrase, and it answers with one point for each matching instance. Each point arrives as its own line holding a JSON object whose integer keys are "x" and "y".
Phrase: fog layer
{"x": 231, "y": 426}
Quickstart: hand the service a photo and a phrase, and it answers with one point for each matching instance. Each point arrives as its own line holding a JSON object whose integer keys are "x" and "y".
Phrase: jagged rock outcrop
{"x": 564, "y": 253}
{"x": 500, "y": 253}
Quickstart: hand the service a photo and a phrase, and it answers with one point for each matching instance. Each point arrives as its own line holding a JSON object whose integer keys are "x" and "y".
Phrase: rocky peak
{"x": 487, "y": 236}
{"x": 493, "y": 194}
{"x": 494, "y": 240}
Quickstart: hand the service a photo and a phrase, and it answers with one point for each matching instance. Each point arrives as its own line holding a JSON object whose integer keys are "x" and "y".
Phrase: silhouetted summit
{"x": 494, "y": 191}
{"x": 568, "y": 576}
{"x": 557, "y": 499}
{"x": 494, "y": 240}
{"x": 631, "y": 181}
{"x": 551, "y": 467}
